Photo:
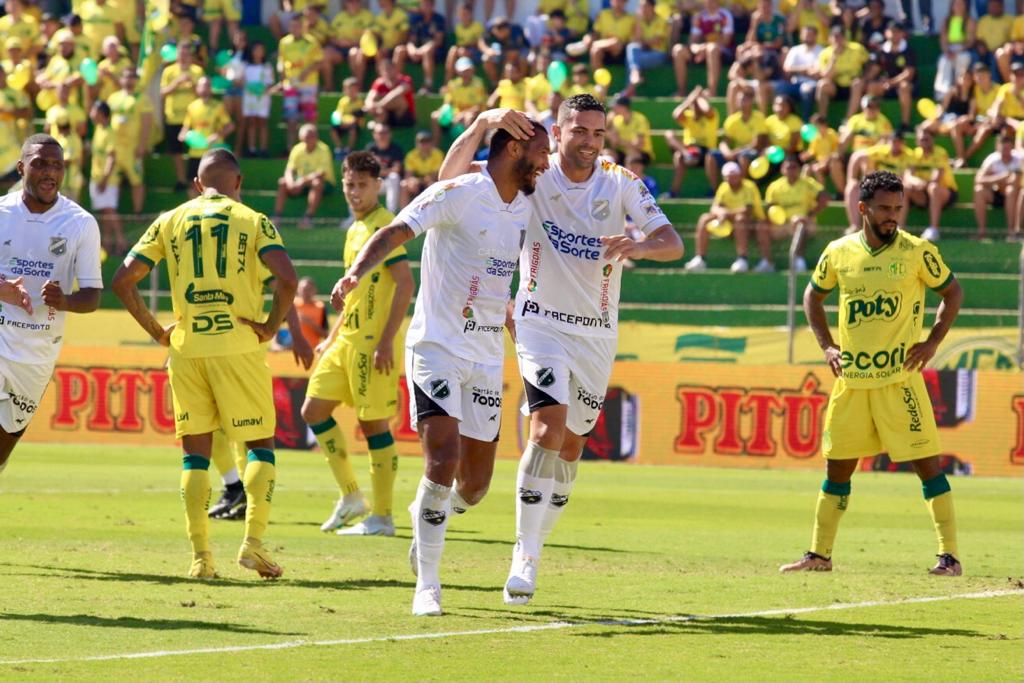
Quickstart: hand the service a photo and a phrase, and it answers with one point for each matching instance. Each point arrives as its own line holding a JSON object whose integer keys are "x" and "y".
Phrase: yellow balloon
{"x": 368, "y": 44}
{"x": 603, "y": 77}
{"x": 717, "y": 228}
{"x": 103, "y": 255}
{"x": 776, "y": 214}
{"x": 46, "y": 99}
{"x": 927, "y": 108}
{"x": 19, "y": 78}
{"x": 758, "y": 168}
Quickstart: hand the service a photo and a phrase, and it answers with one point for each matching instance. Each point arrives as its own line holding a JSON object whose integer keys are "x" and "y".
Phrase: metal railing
{"x": 794, "y": 244}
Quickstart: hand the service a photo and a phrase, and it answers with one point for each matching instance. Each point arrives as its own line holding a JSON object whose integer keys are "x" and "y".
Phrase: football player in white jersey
{"x": 46, "y": 242}
{"x": 566, "y": 310}
{"x": 455, "y": 343}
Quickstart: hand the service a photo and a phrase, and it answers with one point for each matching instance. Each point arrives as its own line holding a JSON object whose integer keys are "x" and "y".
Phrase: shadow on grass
{"x": 138, "y": 623}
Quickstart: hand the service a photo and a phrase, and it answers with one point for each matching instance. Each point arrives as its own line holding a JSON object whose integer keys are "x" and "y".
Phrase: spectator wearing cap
{"x": 19, "y": 24}
{"x": 955, "y": 39}
{"x": 503, "y": 42}
{"x": 425, "y": 44}
{"x": 421, "y": 166}
{"x": 699, "y": 121}
{"x": 346, "y": 31}
{"x": 838, "y": 65}
{"x": 865, "y": 128}
{"x": 649, "y": 46}
{"x": 802, "y": 198}
{"x": 746, "y": 135}
{"x": 177, "y": 89}
{"x": 711, "y": 42}
{"x": 993, "y": 32}
{"x": 737, "y": 202}
{"x": 468, "y": 33}
{"x": 798, "y": 69}
{"x": 390, "y": 157}
{"x": 996, "y": 184}
{"x": 929, "y": 183}
{"x": 390, "y": 99}
{"x": 890, "y": 73}
{"x": 629, "y": 132}
{"x": 465, "y": 94}
{"x": 310, "y": 170}
{"x": 892, "y": 155}
{"x": 59, "y": 69}
{"x": 391, "y": 24}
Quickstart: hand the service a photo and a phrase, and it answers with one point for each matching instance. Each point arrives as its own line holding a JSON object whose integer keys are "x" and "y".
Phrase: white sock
{"x": 230, "y": 477}
{"x": 433, "y": 502}
{"x": 534, "y": 482}
{"x": 459, "y": 504}
{"x": 565, "y": 477}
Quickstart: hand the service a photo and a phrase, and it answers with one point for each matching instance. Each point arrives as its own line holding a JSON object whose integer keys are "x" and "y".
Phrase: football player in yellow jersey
{"x": 930, "y": 183}
{"x": 879, "y": 402}
{"x": 420, "y": 167}
{"x": 207, "y": 117}
{"x": 357, "y": 363}
{"x": 737, "y": 202}
{"x": 132, "y": 121}
{"x": 802, "y": 198}
{"x": 218, "y": 369}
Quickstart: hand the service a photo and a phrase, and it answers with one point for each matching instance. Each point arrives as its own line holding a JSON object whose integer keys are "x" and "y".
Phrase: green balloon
{"x": 222, "y": 58}
{"x": 169, "y": 52}
{"x": 458, "y": 129}
{"x": 808, "y": 132}
{"x": 446, "y": 115}
{"x": 775, "y": 154}
{"x": 219, "y": 84}
{"x": 336, "y": 117}
{"x": 196, "y": 140}
{"x": 558, "y": 72}
{"x": 256, "y": 88}
{"x": 90, "y": 71}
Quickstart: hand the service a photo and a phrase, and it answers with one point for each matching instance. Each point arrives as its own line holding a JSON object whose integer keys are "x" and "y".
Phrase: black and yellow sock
{"x": 939, "y": 497}
{"x": 259, "y": 491}
{"x": 383, "y": 469}
{"x": 195, "y": 494}
{"x": 332, "y": 443}
{"x": 832, "y": 501}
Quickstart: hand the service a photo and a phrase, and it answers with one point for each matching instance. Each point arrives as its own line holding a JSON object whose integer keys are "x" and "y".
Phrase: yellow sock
{"x": 939, "y": 498}
{"x": 195, "y": 493}
{"x": 220, "y": 453}
{"x": 832, "y": 501}
{"x": 383, "y": 467}
{"x": 259, "y": 491}
{"x": 239, "y": 455}
{"x": 332, "y": 443}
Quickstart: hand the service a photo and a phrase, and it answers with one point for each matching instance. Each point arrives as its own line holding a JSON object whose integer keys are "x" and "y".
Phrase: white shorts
{"x": 106, "y": 199}
{"x": 255, "y": 105}
{"x": 443, "y": 384}
{"x": 564, "y": 369}
{"x": 21, "y": 388}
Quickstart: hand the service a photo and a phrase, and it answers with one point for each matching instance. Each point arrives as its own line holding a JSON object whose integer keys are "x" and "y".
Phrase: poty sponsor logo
{"x": 581, "y": 246}
{"x": 29, "y": 267}
{"x": 880, "y": 305}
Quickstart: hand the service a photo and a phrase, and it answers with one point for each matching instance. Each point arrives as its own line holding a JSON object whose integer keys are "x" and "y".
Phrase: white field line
{"x": 552, "y": 626}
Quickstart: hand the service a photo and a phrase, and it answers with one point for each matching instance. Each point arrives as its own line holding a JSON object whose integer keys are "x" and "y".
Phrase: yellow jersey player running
{"x": 879, "y": 401}
{"x": 219, "y": 376}
{"x": 357, "y": 366}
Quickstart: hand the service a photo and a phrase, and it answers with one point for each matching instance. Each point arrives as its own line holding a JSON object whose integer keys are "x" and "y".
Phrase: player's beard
{"x": 35, "y": 191}
{"x": 524, "y": 172}
{"x": 883, "y": 237}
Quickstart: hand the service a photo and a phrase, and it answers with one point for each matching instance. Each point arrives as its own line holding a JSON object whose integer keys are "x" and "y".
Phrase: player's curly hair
{"x": 581, "y": 102}
{"x": 879, "y": 181}
{"x": 362, "y": 162}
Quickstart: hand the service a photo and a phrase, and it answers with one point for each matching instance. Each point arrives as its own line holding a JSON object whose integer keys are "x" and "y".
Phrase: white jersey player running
{"x": 46, "y": 242}
{"x": 566, "y": 310}
{"x": 455, "y": 347}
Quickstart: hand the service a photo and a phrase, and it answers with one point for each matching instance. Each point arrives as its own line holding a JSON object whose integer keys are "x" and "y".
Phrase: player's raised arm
{"x": 383, "y": 242}
{"x": 459, "y": 158}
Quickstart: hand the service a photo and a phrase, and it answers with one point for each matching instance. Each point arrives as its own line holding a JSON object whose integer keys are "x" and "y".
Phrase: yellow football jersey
{"x": 538, "y": 91}
{"x": 349, "y": 28}
{"x": 798, "y": 199}
{"x": 176, "y": 103}
{"x": 10, "y": 136}
{"x": 780, "y": 131}
{"x": 73, "y": 113}
{"x": 1012, "y": 104}
{"x": 741, "y": 133}
{"x": 207, "y": 119}
{"x": 468, "y": 36}
{"x": 462, "y": 96}
{"x": 213, "y": 247}
{"x": 628, "y": 131}
{"x": 849, "y": 64}
{"x": 748, "y": 196}
{"x": 700, "y": 130}
{"x": 392, "y": 28}
{"x": 866, "y": 132}
{"x": 126, "y": 112}
{"x": 882, "y": 158}
{"x": 926, "y": 164}
{"x": 607, "y": 25}
{"x": 302, "y": 162}
{"x": 98, "y": 22}
{"x": 102, "y": 147}
{"x": 824, "y": 144}
{"x": 983, "y": 99}
{"x": 295, "y": 55}
{"x": 511, "y": 95}
{"x": 367, "y": 306}
{"x": 420, "y": 167}
{"x": 881, "y": 302}
{"x": 656, "y": 33}
{"x": 26, "y": 30}
{"x": 348, "y": 107}
{"x": 117, "y": 68}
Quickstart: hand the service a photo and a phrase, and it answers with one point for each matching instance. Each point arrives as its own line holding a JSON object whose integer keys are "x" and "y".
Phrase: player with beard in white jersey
{"x": 46, "y": 242}
{"x": 455, "y": 344}
{"x": 566, "y": 309}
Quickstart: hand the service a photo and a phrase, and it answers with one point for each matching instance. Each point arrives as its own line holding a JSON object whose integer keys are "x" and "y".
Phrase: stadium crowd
{"x": 115, "y": 80}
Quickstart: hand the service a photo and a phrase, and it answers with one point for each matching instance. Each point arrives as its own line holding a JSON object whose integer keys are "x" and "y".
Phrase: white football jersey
{"x": 63, "y": 245}
{"x": 470, "y": 253}
{"x": 564, "y": 279}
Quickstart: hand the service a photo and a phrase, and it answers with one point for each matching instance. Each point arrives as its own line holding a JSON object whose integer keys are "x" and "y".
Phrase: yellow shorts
{"x": 896, "y": 419}
{"x": 345, "y": 373}
{"x": 222, "y": 9}
{"x": 234, "y": 392}
{"x": 129, "y": 168}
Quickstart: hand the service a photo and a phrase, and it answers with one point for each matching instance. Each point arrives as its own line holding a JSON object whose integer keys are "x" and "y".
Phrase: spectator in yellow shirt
{"x": 699, "y": 121}
{"x": 178, "y": 89}
{"x": 347, "y": 29}
{"x": 350, "y": 116}
{"x": 929, "y": 183}
{"x": 392, "y": 27}
{"x": 737, "y": 201}
{"x": 65, "y": 108}
{"x": 629, "y": 131}
{"x": 299, "y": 58}
{"x": 649, "y": 46}
{"x": 784, "y": 125}
{"x": 19, "y": 24}
{"x": 104, "y": 184}
{"x": 99, "y": 20}
{"x": 613, "y": 30}
{"x": 888, "y": 155}
{"x": 802, "y": 198}
{"x": 60, "y": 68}
{"x": 73, "y": 157}
{"x": 131, "y": 122}
{"x": 14, "y": 109}
{"x": 310, "y": 169}
{"x": 993, "y": 31}
{"x": 511, "y": 90}
{"x": 115, "y": 61}
{"x": 205, "y": 117}
{"x": 746, "y": 135}
{"x": 838, "y": 65}
{"x": 1013, "y": 51}
{"x": 465, "y": 94}
{"x": 422, "y": 164}
{"x": 468, "y": 33}
{"x": 824, "y": 154}
{"x": 865, "y": 128}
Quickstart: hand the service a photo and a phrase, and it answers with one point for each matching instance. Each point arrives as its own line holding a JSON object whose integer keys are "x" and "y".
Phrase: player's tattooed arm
{"x": 919, "y": 354}
{"x": 814, "y": 309}
{"x": 126, "y": 279}
{"x": 459, "y": 158}
{"x": 383, "y": 242}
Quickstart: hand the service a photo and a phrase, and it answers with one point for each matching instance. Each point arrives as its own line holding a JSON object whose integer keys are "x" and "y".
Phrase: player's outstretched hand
{"x": 919, "y": 354}
{"x": 53, "y": 295}
{"x": 622, "y": 247}
{"x": 165, "y": 337}
{"x": 834, "y": 358}
{"x": 515, "y": 122}
{"x": 14, "y": 293}
{"x": 302, "y": 352}
{"x": 341, "y": 288}
{"x": 384, "y": 358}
{"x": 264, "y": 331}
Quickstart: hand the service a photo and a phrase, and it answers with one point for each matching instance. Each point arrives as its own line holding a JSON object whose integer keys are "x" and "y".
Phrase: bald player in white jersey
{"x": 47, "y": 242}
{"x": 566, "y": 310}
{"x": 454, "y": 353}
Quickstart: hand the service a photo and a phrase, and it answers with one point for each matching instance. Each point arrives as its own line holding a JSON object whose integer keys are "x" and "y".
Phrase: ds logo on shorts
{"x": 545, "y": 377}
{"x": 433, "y": 517}
{"x": 879, "y": 306}
{"x": 439, "y": 389}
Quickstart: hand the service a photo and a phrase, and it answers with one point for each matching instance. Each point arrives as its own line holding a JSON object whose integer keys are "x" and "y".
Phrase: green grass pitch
{"x": 654, "y": 574}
